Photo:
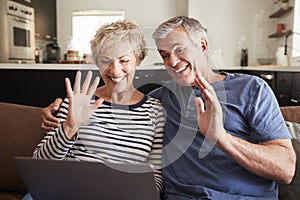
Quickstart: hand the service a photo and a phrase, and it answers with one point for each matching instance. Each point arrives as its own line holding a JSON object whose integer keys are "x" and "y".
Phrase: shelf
{"x": 281, "y": 12}
{"x": 279, "y": 34}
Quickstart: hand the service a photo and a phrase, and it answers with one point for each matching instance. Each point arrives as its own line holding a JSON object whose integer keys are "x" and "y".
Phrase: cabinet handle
{"x": 294, "y": 101}
{"x": 282, "y": 80}
{"x": 267, "y": 76}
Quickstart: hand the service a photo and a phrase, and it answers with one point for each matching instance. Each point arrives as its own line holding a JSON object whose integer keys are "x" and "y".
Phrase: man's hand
{"x": 210, "y": 117}
{"x": 49, "y": 121}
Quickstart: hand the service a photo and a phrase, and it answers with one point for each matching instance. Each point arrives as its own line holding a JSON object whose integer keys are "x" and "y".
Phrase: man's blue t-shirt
{"x": 193, "y": 168}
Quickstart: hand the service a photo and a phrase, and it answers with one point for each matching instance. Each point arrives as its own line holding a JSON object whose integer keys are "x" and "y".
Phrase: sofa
{"x": 20, "y": 132}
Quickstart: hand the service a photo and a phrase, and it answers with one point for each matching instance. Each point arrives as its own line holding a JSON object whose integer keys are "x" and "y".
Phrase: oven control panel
{"x": 19, "y": 10}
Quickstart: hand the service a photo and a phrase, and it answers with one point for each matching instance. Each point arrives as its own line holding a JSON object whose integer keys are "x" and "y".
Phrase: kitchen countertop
{"x": 143, "y": 67}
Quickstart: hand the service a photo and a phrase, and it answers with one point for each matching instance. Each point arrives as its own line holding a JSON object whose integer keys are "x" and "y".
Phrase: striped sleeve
{"x": 55, "y": 145}
{"x": 155, "y": 157}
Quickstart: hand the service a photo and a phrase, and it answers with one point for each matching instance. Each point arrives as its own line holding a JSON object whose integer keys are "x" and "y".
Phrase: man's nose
{"x": 174, "y": 60}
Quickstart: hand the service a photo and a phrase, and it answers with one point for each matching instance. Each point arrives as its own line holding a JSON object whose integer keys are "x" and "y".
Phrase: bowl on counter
{"x": 266, "y": 61}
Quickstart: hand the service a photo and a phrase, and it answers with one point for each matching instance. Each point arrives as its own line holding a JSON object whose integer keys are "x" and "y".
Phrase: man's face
{"x": 180, "y": 56}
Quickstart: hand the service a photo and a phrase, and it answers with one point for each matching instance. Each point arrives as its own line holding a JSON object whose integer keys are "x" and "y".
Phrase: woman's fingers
{"x": 93, "y": 87}
{"x": 68, "y": 87}
{"x": 86, "y": 83}
{"x": 86, "y": 89}
{"x": 77, "y": 82}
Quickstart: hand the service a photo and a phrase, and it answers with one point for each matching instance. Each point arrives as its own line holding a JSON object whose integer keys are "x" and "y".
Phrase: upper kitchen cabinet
{"x": 45, "y": 19}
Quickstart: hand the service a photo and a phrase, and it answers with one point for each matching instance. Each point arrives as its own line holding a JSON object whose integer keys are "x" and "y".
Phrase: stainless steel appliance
{"x": 19, "y": 39}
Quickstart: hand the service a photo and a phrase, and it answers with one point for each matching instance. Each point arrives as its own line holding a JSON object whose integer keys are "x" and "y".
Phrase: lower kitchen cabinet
{"x": 35, "y": 87}
{"x": 288, "y": 88}
{"x": 39, "y": 87}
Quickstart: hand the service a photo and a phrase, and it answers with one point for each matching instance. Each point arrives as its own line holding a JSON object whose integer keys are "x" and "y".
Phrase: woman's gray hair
{"x": 114, "y": 34}
{"x": 190, "y": 25}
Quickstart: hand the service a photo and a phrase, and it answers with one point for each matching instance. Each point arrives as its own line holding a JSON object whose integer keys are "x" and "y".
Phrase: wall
{"x": 148, "y": 14}
{"x": 231, "y": 24}
{"x": 236, "y": 24}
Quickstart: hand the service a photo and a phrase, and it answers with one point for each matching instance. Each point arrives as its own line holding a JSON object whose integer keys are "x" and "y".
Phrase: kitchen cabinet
{"x": 45, "y": 19}
{"x": 295, "y": 90}
{"x": 287, "y": 88}
{"x": 283, "y": 87}
{"x": 33, "y": 87}
{"x": 40, "y": 87}
{"x": 148, "y": 80}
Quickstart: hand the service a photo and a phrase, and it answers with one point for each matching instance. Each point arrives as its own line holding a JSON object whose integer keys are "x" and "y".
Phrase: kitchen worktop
{"x": 143, "y": 67}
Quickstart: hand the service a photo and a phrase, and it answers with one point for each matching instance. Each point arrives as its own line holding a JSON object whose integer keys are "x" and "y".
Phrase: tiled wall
{"x": 236, "y": 24}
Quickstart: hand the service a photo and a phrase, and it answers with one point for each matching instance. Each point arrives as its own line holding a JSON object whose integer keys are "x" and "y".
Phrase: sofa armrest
{"x": 20, "y": 132}
{"x": 292, "y": 191}
{"x": 291, "y": 113}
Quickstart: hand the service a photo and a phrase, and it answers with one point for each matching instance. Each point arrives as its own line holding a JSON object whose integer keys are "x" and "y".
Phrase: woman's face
{"x": 117, "y": 67}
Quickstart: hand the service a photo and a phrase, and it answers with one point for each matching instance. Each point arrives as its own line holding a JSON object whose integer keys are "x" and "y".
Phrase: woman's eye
{"x": 106, "y": 62}
{"x": 125, "y": 61}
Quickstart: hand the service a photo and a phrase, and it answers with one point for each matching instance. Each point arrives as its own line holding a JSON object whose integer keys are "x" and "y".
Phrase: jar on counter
{"x": 73, "y": 55}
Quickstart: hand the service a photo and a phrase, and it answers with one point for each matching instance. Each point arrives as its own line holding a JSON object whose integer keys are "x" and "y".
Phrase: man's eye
{"x": 164, "y": 56}
{"x": 179, "y": 50}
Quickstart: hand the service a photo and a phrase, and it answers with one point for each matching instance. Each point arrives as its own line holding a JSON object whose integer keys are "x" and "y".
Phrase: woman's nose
{"x": 115, "y": 67}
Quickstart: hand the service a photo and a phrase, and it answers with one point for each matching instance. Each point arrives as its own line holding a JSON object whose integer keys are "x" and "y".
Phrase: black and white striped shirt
{"x": 115, "y": 133}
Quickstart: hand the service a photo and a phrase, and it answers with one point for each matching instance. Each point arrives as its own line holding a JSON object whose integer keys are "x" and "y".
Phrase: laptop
{"x": 73, "y": 180}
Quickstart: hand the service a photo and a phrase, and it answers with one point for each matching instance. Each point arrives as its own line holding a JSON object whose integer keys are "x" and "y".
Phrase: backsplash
{"x": 234, "y": 25}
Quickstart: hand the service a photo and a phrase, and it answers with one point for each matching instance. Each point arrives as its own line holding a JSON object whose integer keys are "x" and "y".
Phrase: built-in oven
{"x": 21, "y": 38}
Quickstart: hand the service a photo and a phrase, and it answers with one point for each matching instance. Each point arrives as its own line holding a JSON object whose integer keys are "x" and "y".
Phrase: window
{"x": 85, "y": 23}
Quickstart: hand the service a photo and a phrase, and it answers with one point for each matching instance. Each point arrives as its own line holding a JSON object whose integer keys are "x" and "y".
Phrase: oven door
{"x": 21, "y": 38}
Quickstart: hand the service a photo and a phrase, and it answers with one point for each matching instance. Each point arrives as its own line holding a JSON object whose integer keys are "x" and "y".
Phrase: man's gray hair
{"x": 190, "y": 25}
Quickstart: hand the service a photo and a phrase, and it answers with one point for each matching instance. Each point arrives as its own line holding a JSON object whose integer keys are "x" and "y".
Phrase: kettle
{"x": 53, "y": 53}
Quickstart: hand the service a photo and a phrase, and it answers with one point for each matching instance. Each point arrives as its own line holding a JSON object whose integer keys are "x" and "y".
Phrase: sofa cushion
{"x": 20, "y": 132}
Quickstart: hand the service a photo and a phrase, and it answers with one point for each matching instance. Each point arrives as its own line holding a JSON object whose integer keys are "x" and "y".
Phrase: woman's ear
{"x": 138, "y": 62}
{"x": 204, "y": 45}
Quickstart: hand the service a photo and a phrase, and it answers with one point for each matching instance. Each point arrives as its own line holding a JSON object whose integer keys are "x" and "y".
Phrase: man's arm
{"x": 274, "y": 159}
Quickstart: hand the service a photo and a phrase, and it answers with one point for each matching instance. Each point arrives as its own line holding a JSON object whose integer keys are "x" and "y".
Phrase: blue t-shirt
{"x": 193, "y": 168}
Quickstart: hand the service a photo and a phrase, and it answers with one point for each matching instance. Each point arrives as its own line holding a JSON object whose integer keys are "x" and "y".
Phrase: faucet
{"x": 286, "y": 37}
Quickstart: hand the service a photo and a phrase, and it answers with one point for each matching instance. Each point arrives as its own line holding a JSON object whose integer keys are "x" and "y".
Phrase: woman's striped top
{"x": 114, "y": 133}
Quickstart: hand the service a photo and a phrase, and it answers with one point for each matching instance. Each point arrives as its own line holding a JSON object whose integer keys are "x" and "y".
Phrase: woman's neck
{"x": 129, "y": 97}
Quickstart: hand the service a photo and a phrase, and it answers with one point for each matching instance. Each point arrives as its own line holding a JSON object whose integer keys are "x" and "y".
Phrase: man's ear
{"x": 204, "y": 45}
